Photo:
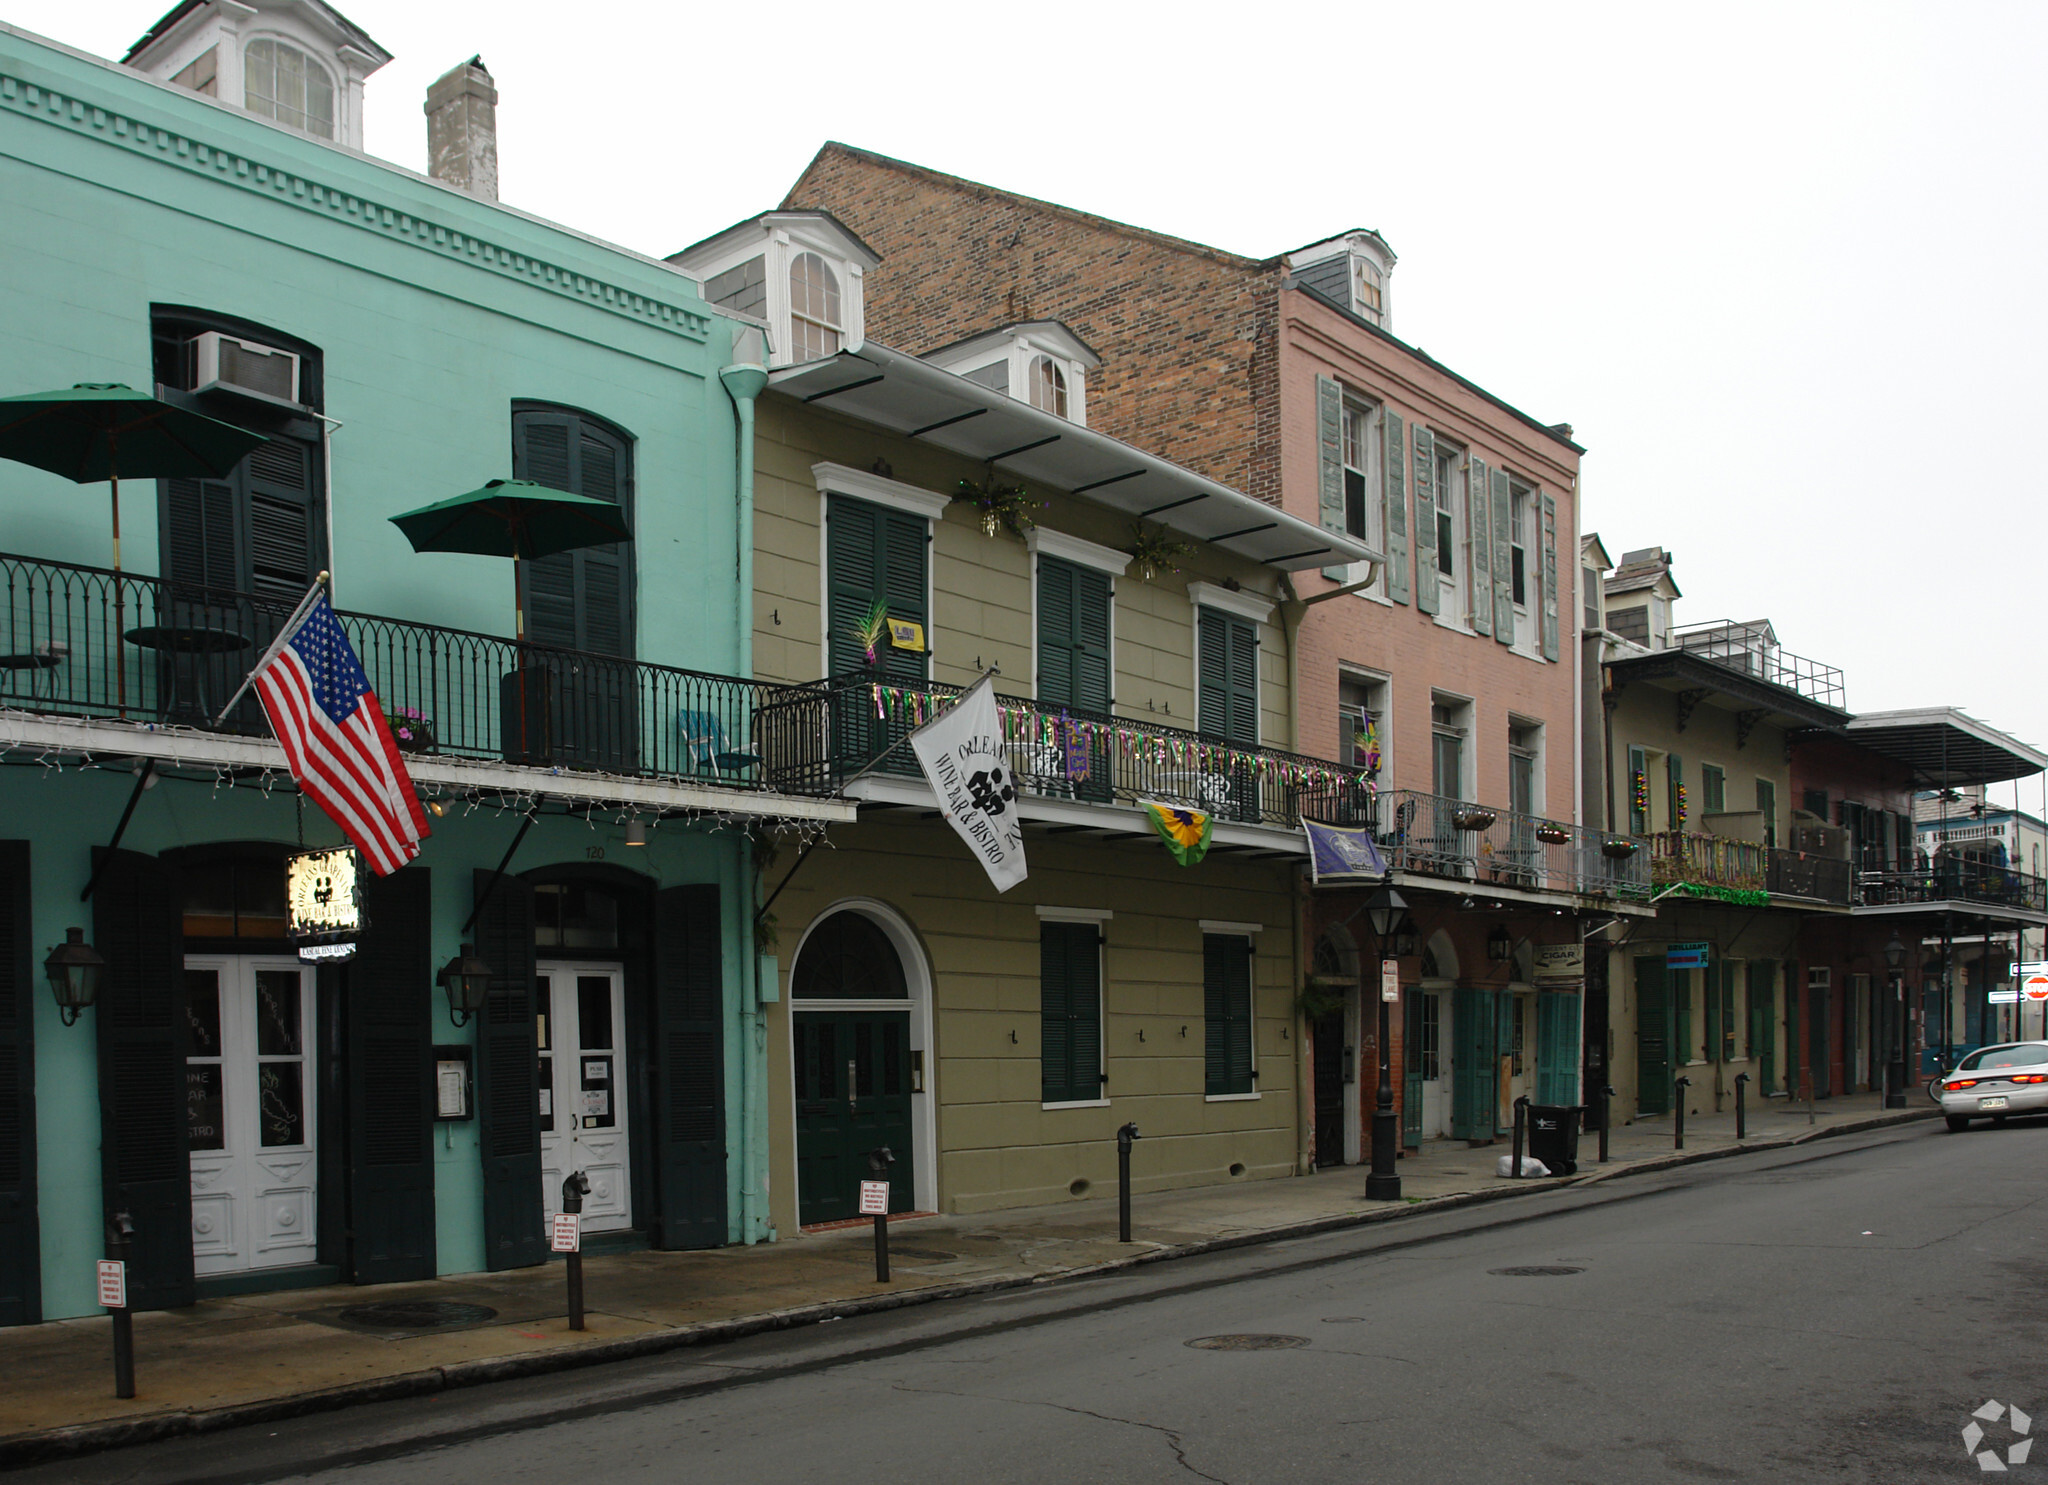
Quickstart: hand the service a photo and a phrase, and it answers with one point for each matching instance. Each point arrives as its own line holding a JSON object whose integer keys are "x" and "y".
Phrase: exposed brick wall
{"x": 1190, "y": 363}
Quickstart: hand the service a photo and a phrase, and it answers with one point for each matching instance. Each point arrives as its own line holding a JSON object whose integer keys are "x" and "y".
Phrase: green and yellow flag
{"x": 1185, "y": 830}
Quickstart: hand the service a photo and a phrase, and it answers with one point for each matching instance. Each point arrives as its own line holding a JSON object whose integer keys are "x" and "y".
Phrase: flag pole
{"x": 877, "y": 761}
{"x": 284, "y": 635}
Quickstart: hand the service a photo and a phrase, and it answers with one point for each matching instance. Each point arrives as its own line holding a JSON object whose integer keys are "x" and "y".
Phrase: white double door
{"x": 583, "y": 1123}
{"x": 249, "y": 1114}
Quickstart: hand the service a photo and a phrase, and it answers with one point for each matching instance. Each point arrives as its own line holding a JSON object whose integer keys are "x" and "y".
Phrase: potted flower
{"x": 1474, "y": 819}
{"x": 1000, "y": 506}
{"x": 1552, "y": 834}
{"x": 412, "y": 729}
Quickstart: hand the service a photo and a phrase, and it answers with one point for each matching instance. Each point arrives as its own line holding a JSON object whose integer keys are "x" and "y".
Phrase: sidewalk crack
{"x": 1173, "y": 1439}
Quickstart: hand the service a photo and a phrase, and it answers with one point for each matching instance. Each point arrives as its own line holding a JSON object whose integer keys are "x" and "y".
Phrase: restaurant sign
{"x": 324, "y": 902}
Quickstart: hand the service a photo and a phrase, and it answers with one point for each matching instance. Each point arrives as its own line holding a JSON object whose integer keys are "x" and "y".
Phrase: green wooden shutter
{"x": 1479, "y": 540}
{"x": 1070, "y": 1012}
{"x": 1638, "y": 815}
{"x": 1714, "y": 988}
{"x": 689, "y": 1031}
{"x": 1727, "y": 1026}
{"x": 1411, "y": 1066}
{"x": 1330, "y": 464}
{"x": 145, "y": 1165}
{"x": 1502, "y": 503}
{"x": 1681, "y": 1019}
{"x": 1073, "y": 636}
{"x": 1557, "y": 1048}
{"x": 1763, "y": 1023}
{"x": 508, "y": 1077}
{"x": 285, "y": 539}
{"x": 21, "y": 1287}
{"x": 1475, "y": 1066}
{"x": 1426, "y": 599}
{"x": 1549, "y": 578}
{"x": 1393, "y": 467}
{"x": 580, "y": 600}
{"x": 389, "y": 1005}
{"x": 1228, "y": 704}
{"x": 1653, "y": 1035}
{"x": 874, "y": 554}
{"x": 1227, "y": 1013}
{"x": 1674, "y": 780}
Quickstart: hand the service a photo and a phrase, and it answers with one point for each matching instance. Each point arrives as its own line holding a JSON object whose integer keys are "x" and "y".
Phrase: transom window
{"x": 1048, "y": 386}
{"x": 283, "y": 83}
{"x": 814, "y": 321}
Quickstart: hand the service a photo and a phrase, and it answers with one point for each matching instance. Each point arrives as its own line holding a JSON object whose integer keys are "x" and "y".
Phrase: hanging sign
{"x": 2002, "y": 997}
{"x": 1560, "y": 964}
{"x": 1686, "y": 956}
{"x": 904, "y": 635}
{"x": 1075, "y": 750}
{"x": 2020, "y": 970}
{"x": 113, "y": 1276}
{"x": 874, "y": 1198}
{"x": 324, "y": 902}
{"x": 565, "y": 1232}
{"x": 968, "y": 766}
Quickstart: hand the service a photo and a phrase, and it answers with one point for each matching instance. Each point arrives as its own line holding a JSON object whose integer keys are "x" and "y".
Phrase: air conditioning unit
{"x": 225, "y": 364}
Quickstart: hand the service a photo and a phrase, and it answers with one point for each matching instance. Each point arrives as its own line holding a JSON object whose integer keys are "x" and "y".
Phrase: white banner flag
{"x": 962, "y": 754}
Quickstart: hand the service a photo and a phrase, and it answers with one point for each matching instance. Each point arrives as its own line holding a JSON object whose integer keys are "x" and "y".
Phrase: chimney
{"x": 462, "y": 129}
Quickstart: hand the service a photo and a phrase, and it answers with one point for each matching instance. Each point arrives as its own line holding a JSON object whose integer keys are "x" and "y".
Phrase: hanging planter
{"x": 1474, "y": 819}
{"x": 1618, "y": 850}
{"x": 1155, "y": 551}
{"x": 1552, "y": 835}
{"x": 1002, "y": 507}
{"x": 412, "y": 730}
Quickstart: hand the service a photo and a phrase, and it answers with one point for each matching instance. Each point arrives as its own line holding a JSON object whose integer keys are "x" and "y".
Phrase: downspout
{"x": 743, "y": 382}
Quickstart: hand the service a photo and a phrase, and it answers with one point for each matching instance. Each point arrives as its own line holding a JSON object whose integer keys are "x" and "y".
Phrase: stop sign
{"x": 2035, "y": 987}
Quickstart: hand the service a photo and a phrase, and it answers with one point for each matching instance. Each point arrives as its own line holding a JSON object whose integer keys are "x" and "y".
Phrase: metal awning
{"x": 901, "y": 393}
{"x": 1946, "y": 747}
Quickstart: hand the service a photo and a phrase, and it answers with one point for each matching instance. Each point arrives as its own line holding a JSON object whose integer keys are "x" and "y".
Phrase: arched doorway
{"x": 855, "y": 1065}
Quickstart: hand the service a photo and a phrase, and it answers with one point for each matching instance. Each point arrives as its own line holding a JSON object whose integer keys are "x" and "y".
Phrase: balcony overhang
{"x": 1946, "y": 747}
{"x": 1689, "y": 675}
{"x": 1484, "y": 895}
{"x": 66, "y": 737}
{"x": 1957, "y": 909}
{"x": 908, "y": 396}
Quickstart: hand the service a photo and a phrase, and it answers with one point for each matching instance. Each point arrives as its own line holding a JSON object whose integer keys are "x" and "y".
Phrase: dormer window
{"x": 1048, "y": 386}
{"x": 814, "y": 325}
{"x": 281, "y": 82}
{"x": 1041, "y": 362}
{"x": 1368, "y": 289}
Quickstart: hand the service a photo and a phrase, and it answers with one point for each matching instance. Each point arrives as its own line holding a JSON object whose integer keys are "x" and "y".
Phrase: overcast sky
{"x": 1779, "y": 265}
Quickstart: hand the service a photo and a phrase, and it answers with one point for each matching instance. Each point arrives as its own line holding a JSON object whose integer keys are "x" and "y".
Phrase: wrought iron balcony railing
{"x": 1747, "y": 648}
{"x": 1705, "y": 860}
{"x": 1439, "y": 836}
{"x": 89, "y": 642}
{"x": 1954, "y": 881}
{"x": 1803, "y": 874}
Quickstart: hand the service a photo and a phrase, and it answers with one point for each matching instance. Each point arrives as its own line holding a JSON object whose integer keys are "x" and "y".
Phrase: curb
{"x": 71, "y": 1441}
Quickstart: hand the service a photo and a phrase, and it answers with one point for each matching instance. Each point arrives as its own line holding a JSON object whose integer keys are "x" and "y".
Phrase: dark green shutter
{"x": 1763, "y": 1024}
{"x": 1425, "y": 521}
{"x": 1681, "y": 1019}
{"x": 508, "y": 1077}
{"x": 1714, "y": 987}
{"x": 1549, "y": 578}
{"x": 1557, "y": 1048}
{"x": 1479, "y": 539}
{"x": 689, "y": 1016}
{"x": 284, "y": 540}
{"x": 1227, "y": 1013}
{"x": 1726, "y": 1029}
{"x": 1475, "y": 1064}
{"x": 1674, "y": 780}
{"x": 1501, "y": 500}
{"x": 1412, "y": 1011}
{"x": 1393, "y": 467}
{"x": 21, "y": 1289}
{"x": 200, "y": 544}
{"x": 873, "y": 553}
{"x": 580, "y": 600}
{"x": 1229, "y": 698}
{"x": 1070, "y": 1012}
{"x": 1653, "y": 1035}
{"x": 1073, "y": 636}
{"x": 145, "y": 1166}
{"x": 1330, "y": 464}
{"x": 389, "y": 1005}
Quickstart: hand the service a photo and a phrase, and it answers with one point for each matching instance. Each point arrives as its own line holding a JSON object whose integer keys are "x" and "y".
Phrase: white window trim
{"x": 1241, "y": 930}
{"x": 1082, "y": 1103}
{"x": 838, "y": 479}
{"x": 1048, "y": 914}
{"x": 1254, "y": 606}
{"x": 1039, "y": 541}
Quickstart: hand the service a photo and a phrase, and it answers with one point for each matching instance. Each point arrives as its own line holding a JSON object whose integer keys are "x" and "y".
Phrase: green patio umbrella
{"x": 516, "y": 519}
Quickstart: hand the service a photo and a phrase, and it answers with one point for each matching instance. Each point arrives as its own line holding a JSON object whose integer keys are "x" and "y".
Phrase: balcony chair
{"x": 704, "y": 746}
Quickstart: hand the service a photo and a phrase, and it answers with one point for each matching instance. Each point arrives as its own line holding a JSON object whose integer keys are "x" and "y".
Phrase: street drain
{"x": 1248, "y": 1342}
{"x": 423, "y": 1314}
{"x": 1536, "y": 1270}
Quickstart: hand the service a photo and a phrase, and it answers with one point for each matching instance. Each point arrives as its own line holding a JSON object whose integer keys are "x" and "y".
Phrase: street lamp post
{"x": 1388, "y": 914}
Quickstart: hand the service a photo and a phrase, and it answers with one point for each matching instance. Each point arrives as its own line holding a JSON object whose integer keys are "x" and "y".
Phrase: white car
{"x": 1992, "y": 1082}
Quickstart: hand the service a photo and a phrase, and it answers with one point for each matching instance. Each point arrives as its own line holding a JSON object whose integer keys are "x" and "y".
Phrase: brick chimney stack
{"x": 462, "y": 129}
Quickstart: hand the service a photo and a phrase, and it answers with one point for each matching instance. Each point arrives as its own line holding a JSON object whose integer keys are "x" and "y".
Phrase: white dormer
{"x": 299, "y": 62}
{"x": 1041, "y": 362}
{"x": 801, "y": 271}
{"x": 1353, "y": 270}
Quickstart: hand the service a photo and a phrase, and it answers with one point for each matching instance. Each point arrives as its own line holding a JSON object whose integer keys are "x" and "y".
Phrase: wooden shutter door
{"x": 1425, "y": 521}
{"x": 689, "y": 1031}
{"x": 1411, "y": 1066}
{"x": 1213, "y": 661}
{"x": 1330, "y": 465}
{"x": 21, "y": 1285}
{"x": 389, "y": 1004}
{"x": 1227, "y": 992}
{"x": 853, "y": 554}
{"x": 1501, "y": 502}
{"x": 200, "y": 542}
{"x": 1056, "y": 644}
{"x": 1394, "y": 491}
{"x": 508, "y": 1077}
{"x": 580, "y": 600}
{"x": 906, "y": 540}
{"x": 1055, "y": 1015}
{"x": 1475, "y": 1072}
{"x": 284, "y": 535}
{"x": 1557, "y": 1048}
{"x": 145, "y": 1166}
{"x": 1479, "y": 542}
{"x": 1653, "y": 1035}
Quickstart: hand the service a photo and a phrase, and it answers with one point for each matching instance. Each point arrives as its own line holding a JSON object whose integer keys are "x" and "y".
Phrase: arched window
{"x": 813, "y": 308}
{"x": 848, "y": 957}
{"x": 1048, "y": 385}
{"x": 283, "y": 83}
{"x": 1368, "y": 296}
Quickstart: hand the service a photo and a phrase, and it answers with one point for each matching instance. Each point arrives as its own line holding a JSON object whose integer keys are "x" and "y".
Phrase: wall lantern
{"x": 1404, "y": 939}
{"x": 1895, "y": 953}
{"x": 636, "y": 833}
{"x": 74, "y": 970}
{"x": 467, "y": 979}
{"x": 1500, "y": 944}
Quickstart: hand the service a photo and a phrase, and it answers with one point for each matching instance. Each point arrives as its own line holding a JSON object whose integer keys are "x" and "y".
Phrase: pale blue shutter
{"x": 1425, "y": 521}
{"x": 1479, "y": 538}
{"x": 1393, "y": 464}
{"x": 1503, "y": 559}
{"x": 1330, "y": 464}
{"x": 1549, "y": 578}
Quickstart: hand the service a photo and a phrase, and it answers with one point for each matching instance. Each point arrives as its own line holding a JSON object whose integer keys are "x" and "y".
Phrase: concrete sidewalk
{"x": 227, "y": 1362}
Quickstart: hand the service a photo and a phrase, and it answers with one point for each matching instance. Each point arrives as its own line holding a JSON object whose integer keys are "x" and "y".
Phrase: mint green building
{"x": 196, "y": 222}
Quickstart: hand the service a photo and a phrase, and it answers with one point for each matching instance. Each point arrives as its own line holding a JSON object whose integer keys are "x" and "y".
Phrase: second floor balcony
{"x": 1953, "y": 880}
{"x": 1435, "y": 835}
{"x": 1706, "y": 860}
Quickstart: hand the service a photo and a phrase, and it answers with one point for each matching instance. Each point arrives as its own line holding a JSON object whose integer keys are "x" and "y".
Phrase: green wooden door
{"x": 1073, "y": 662}
{"x": 508, "y": 1076}
{"x": 1475, "y": 1062}
{"x": 1763, "y": 1025}
{"x": 1653, "y": 1035}
{"x": 21, "y": 1300}
{"x": 852, "y": 1096}
{"x": 1557, "y": 1048}
{"x": 689, "y": 1040}
{"x": 1411, "y": 1067}
{"x": 390, "y": 1030}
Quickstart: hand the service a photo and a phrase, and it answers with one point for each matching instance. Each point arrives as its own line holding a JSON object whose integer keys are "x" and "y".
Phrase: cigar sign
{"x": 324, "y": 902}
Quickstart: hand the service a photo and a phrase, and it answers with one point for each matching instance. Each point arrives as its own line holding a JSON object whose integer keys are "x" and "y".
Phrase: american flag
{"x": 336, "y": 739}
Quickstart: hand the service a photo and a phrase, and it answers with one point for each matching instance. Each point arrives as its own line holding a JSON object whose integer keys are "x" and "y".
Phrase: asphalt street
{"x": 1832, "y": 1313}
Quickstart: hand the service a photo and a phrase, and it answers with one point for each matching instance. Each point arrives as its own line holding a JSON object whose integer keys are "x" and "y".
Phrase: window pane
{"x": 277, "y": 1013}
{"x": 283, "y": 1103}
{"x": 205, "y": 1109}
{"x": 202, "y": 1012}
{"x": 594, "y": 1012}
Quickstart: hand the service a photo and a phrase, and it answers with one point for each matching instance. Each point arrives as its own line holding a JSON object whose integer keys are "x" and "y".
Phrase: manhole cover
{"x": 1248, "y": 1342}
{"x": 1536, "y": 1270}
{"x": 419, "y": 1314}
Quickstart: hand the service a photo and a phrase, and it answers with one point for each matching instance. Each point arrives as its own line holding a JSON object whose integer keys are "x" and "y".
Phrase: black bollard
{"x": 879, "y": 1161}
{"x": 575, "y": 1186}
{"x": 1521, "y": 1115}
{"x": 1124, "y": 1136}
{"x": 1741, "y": 1107}
{"x": 1606, "y": 1112}
{"x": 1678, "y": 1127}
{"x": 121, "y": 1228}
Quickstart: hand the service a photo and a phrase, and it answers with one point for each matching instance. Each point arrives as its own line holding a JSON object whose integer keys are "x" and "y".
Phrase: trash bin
{"x": 1554, "y": 1136}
